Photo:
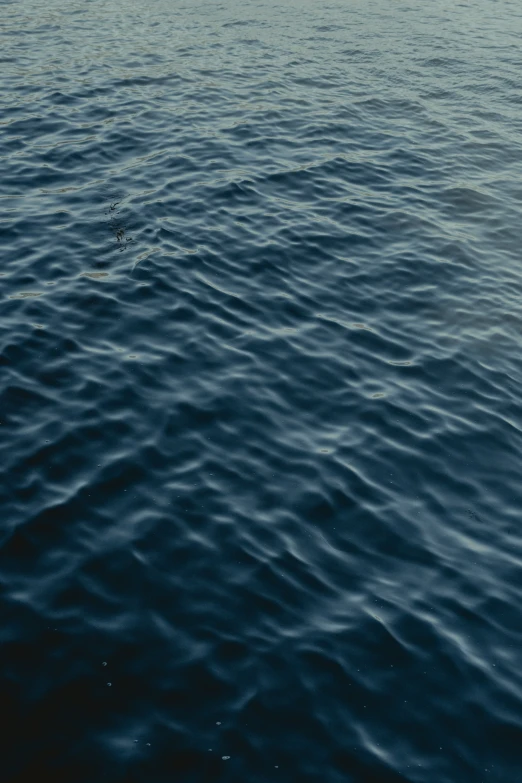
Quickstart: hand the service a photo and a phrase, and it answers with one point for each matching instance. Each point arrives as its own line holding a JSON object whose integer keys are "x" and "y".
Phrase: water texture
{"x": 261, "y": 431}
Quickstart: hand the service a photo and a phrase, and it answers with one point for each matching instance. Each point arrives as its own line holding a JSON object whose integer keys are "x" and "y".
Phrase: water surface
{"x": 260, "y": 396}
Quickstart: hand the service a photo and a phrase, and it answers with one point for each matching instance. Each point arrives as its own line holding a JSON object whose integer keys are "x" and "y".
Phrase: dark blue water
{"x": 261, "y": 431}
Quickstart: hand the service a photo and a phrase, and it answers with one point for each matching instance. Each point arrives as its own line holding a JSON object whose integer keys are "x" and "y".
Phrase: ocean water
{"x": 260, "y": 420}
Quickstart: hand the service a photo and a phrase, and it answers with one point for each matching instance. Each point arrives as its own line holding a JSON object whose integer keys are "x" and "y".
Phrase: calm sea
{"x": 260, "y": 391}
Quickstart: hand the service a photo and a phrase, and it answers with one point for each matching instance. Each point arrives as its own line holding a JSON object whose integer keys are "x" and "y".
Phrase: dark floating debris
{"x": 117, "y": 225}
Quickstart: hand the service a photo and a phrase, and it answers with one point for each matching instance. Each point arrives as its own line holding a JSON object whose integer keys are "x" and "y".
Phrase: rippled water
{"x": 260, "y": 397}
